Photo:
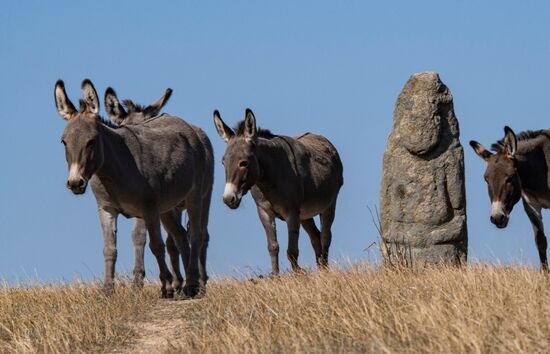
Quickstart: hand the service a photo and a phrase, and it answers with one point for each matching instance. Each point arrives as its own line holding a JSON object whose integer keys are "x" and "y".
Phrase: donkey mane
{"x": 84, "y": 106}
{"x": 108, "y": 123}
{"x": 133, "y": 107}
{"x": 526, "y": 135}
{"x": 262, "y": 133}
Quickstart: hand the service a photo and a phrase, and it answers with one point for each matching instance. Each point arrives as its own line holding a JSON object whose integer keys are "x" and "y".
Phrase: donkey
{"x": 293, "y": 179}
{"x": 137, "y": 114}
{"x": 148, "y": 171}
{"x": 518, "y": 169}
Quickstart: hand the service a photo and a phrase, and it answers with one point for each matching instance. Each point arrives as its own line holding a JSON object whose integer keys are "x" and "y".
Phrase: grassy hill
{"x": 476, "y": 309}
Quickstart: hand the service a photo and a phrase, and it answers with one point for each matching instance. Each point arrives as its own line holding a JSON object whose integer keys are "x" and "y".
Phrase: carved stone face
{"x": 420, "y": 134}
{"x": 417, "y": 116}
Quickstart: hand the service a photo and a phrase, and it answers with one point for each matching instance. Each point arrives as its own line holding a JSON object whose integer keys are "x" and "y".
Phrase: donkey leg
{"x": 292, "y": 252}
{"x": 203, "y": 275}
{"x": 178, "y": 239}
{"x": 327, "y": 218}
{"x": 542, "y": 245}
{"x": 205, "y": 239}
{"x": 314, "y": 236}
{"x": 157, "y": 247}
{"x": 138, "y": 239}
{"x": 171, "y": 222}
{"x": 174, "y": 256}
{"x": 194, "y": 211}
{"x": 268, "y": 221}
{"x": 108, "y": 220}
{"x": 535, "y": 217}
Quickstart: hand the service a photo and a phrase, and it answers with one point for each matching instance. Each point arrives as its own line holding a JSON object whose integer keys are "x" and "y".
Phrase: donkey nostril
{"x": 81, "y": 182}
{"x": 498, "y": 219}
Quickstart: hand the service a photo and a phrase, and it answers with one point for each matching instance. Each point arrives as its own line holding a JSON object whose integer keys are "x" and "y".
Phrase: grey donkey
{"x": 293, "y": 179}
{"x": 137, "y": 114}
{"x": 148, "y": 171}
{"x": 519, "y": 169}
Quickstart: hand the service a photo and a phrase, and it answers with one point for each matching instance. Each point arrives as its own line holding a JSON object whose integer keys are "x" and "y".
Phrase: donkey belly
{"x": 313, "y": 208}
{"x": 308, "y": 213}
{"x": 125, "y": 202}
{"x": 175, "y": 194}
{"x": 320, "y": 191}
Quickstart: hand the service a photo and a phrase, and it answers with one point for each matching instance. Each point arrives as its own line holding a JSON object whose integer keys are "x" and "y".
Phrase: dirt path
{"x": 156, "y": 331}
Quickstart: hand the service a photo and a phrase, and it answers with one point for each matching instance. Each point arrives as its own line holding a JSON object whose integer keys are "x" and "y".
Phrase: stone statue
{"x": 422, "y": 197}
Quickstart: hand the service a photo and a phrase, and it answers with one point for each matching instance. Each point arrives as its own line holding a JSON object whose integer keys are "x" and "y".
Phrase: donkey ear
{"x": 250, "y": 130}
{"x": 154, "y": 108}
{"x": 224, "y": 131}
{"x": 114, "y": 109}
{"x": 89, "y": 95}
{"x": 480, "y": 150}
{"x": 65, "y": 107}
{"x": 510, "y": 141}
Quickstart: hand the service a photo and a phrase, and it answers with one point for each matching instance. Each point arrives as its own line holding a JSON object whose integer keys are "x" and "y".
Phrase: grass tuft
{"x": 74, "y": 318}
{"x": 475, "y": 309}
{"x": 360, "y": 308}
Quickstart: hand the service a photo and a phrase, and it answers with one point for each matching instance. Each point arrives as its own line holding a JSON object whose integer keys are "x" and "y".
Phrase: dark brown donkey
{"x": 137, "y": 114}
{"x": 293, "y": 179}
{"x": 519, "y": 169}
{"x": 148, "y": 171}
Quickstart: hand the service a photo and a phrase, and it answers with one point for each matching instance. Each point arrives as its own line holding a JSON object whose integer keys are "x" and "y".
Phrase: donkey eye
{"x": 90, "y": 143}
{"x": 243, "y": 164}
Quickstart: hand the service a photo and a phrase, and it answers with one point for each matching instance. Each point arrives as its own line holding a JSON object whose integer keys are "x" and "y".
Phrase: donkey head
{"x": 134, "y": 113}
{"x": 242, "y": 168}
{"x": 83, "y": 145}
{"x": 501, "y": 176}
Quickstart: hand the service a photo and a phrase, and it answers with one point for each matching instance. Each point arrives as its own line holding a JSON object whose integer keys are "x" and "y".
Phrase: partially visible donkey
{"x": 519, "y": 169}
{"x": 293, "y": 179}
{"x": 136, "y": 114}
{"x": 148, "y": 171}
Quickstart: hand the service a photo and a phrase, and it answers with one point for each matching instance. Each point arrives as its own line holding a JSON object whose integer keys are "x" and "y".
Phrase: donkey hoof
{"x": 191, "y": 291}
{"x": 139, "y": 279}
{"x": 167, "y": 294}
{"x": 137, "y": 284}
{"x": 177, "y": 286}
{"x": 323, "y": 266}
{"x": 108, "y": 289}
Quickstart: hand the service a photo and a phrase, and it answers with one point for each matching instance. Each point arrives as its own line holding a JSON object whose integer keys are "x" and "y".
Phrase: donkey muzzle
{"x": 77, "y": 185}
{"x": 499, "y": 217}
{"x": 231, "y": 197}
{"x": 499, "y": 220}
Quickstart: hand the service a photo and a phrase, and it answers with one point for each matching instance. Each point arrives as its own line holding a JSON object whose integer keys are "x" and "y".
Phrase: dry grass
{"x": 68, "y": 318}
{"x": 477, "y": 309}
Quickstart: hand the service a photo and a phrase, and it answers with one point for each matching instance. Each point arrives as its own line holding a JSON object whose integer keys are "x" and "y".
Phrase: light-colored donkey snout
{"x": 76, "y": 182}
{"x": 497, "y": 208}
{"x": 231, "y": 197}
{"x": 499, "y": 216}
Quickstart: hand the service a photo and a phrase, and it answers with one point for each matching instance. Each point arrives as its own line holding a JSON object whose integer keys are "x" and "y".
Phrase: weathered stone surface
{"x": 422, "y": 198}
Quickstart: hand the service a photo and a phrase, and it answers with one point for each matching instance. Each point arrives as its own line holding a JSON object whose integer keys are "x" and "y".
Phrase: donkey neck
{"x": 278, "y": 163}
{"x": 117, "y": 157}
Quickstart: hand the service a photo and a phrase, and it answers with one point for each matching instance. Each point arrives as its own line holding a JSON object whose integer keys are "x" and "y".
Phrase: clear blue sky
{"x": 334, "y": 68}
